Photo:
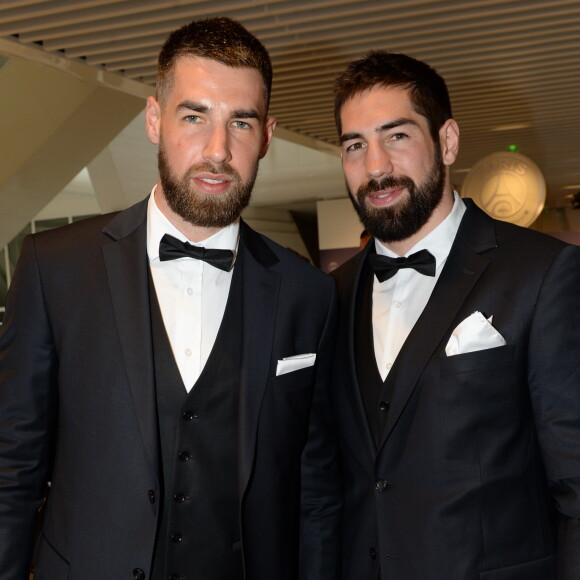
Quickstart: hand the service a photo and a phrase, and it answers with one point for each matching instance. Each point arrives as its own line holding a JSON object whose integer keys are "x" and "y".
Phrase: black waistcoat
{"x": 376, "y": 394}
{"x": 199, "y": 532}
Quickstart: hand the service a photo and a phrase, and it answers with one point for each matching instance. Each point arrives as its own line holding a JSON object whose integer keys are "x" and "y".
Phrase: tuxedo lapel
{"x": 260, "y": 302}
{"x": 463, "y": 268}
{"x": 127, "y": 266}
{"x": 348, "y": 313}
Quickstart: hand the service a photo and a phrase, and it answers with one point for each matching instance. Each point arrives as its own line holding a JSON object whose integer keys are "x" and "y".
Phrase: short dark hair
{"x": 221, "y": 39}
{"x": 427, "y": 89}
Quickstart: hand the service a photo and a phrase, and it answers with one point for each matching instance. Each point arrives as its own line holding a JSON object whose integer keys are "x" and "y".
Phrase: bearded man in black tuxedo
{"x": 457, "y": 376}
{"x": 166, "y": 368}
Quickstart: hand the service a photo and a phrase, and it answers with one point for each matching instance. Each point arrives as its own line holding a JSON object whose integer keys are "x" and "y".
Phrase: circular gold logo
{"x": 507, "y": 186}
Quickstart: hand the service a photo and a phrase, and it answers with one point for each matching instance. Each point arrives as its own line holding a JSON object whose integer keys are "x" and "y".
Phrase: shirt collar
{"x": 158, "y": 225}
{"x": 439, "y": 240}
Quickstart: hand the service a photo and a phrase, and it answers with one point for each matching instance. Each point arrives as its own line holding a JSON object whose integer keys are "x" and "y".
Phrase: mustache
{"x": 386, "y": 183}
{"x": 220, "y": 169}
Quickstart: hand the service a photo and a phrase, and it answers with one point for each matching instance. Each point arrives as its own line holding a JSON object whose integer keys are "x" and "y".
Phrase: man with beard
{"x": 457, "y": 383}
{"x": 166, "y": 368}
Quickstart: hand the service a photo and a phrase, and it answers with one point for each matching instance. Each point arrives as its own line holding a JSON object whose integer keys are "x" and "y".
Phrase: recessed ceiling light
{"x": 572, "y": 187}
{"x": 512, "y": 127}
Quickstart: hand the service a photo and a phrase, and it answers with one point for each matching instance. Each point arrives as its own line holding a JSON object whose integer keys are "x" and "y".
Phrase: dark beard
{"x": 402, "y": 220}
{"x": 199, "y": 209}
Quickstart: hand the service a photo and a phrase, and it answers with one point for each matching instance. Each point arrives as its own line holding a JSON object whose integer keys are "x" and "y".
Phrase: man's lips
{"x": 385, "y": 196}
{"x": 213, "y": 177}
{"x": 212, "y": 183}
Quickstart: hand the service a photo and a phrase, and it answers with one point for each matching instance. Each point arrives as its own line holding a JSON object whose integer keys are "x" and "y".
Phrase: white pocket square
{"x": 295, "y": 363}
{"x": 474, "y": 333}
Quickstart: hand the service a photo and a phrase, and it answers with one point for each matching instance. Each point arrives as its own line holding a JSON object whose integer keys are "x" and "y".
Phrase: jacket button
{"x": 138, "y": 574}
{"x": 384, "y": 406}
{"x": 176, "y": 538}
{"x": 151, "y": 494}
{"x": 174, "y": 577}
{"x": 381, "y": 485}
{"x": 184, "y": 456}
{"x": 373, "y": 553}
{"x": 179, "y": 497}
{"x": 188, "y": 415}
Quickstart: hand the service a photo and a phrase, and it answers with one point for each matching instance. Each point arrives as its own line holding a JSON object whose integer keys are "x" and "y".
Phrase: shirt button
{"x": 384, "y": 405}
{"x": 389, "y": 366}
{"x": 184, "y": 456}
{"x": 187, "y": 352}
{"x": 190, "y": 291}
{"x": 179, "y": 497}
{"x": 176, "y": 538}
{"x": 397, "y": 304}
{"x": 381, "y": 485}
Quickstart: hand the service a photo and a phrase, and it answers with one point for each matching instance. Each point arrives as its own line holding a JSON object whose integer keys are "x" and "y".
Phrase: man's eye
{"x": 241, "y": 125}
{"x": 398, "y": 136}
{"x": 192, "y": 118}
{"x": 354, "y": 147}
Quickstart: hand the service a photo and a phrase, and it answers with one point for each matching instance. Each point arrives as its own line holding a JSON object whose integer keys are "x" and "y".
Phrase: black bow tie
{"x": 171, "y": 248}
{"x": 386, "y": 267}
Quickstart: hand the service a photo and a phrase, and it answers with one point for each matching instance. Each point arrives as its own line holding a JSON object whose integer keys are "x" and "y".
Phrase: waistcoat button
{"x": 381, "y": 485}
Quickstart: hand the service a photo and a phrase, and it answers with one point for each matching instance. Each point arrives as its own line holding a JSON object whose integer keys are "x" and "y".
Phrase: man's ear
{"x": 449, "y": 140}
{"x": 153, "y": 120}
{"x": 269, "y": 127}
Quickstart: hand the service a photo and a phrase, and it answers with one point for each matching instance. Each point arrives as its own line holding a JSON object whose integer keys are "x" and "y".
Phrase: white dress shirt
{"x": 192, "y": 294}
{"x": 399, "y": 301}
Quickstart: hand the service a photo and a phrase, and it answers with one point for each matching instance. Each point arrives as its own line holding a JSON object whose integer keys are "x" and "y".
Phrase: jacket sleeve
{"x": 321, "y": 496}
{"x": 554, "y": 382}
{"x": 27, "y": 414}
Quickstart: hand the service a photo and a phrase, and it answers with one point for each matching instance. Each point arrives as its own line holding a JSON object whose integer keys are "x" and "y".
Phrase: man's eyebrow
{"x": 197, "y": 107}
{"x": 394, "y": 124}
{"x": 349, "y": 136}
{"x": 384, "y": 127}
{"x": 193, "y": 106}
{"x": 245, "y": 114}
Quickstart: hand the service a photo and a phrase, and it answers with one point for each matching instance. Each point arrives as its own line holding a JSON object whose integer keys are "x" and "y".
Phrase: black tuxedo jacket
{"x": 78, "y": 408}
{"x": 477, "y": 473}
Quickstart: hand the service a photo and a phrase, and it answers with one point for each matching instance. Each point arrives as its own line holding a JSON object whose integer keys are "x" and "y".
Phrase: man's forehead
{"x": 380, "y": 95}
{"x": 377, "y": 106}
{"x": 205, "y": 78}
{"x": 212, "y": 66}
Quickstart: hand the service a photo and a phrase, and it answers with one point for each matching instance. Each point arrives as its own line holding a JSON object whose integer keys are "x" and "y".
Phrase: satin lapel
{"x": 348, "y": 311}
{"x": 260, "y": 301}
{"x": 463, "y": 268}
{"x": 127, "y": 269}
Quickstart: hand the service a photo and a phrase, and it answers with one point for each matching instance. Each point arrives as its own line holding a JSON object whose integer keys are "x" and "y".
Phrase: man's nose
{"x": 378, "y": 162}
{"x": 217, "y": 146}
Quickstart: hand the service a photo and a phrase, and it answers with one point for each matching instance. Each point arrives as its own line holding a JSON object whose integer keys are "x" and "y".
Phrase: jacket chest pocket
{"x": 480, "y": 361}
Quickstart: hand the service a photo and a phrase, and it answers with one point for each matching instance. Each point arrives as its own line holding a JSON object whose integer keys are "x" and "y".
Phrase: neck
{"x": 192, "y": 232}
{"x": 442, "y": 210}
